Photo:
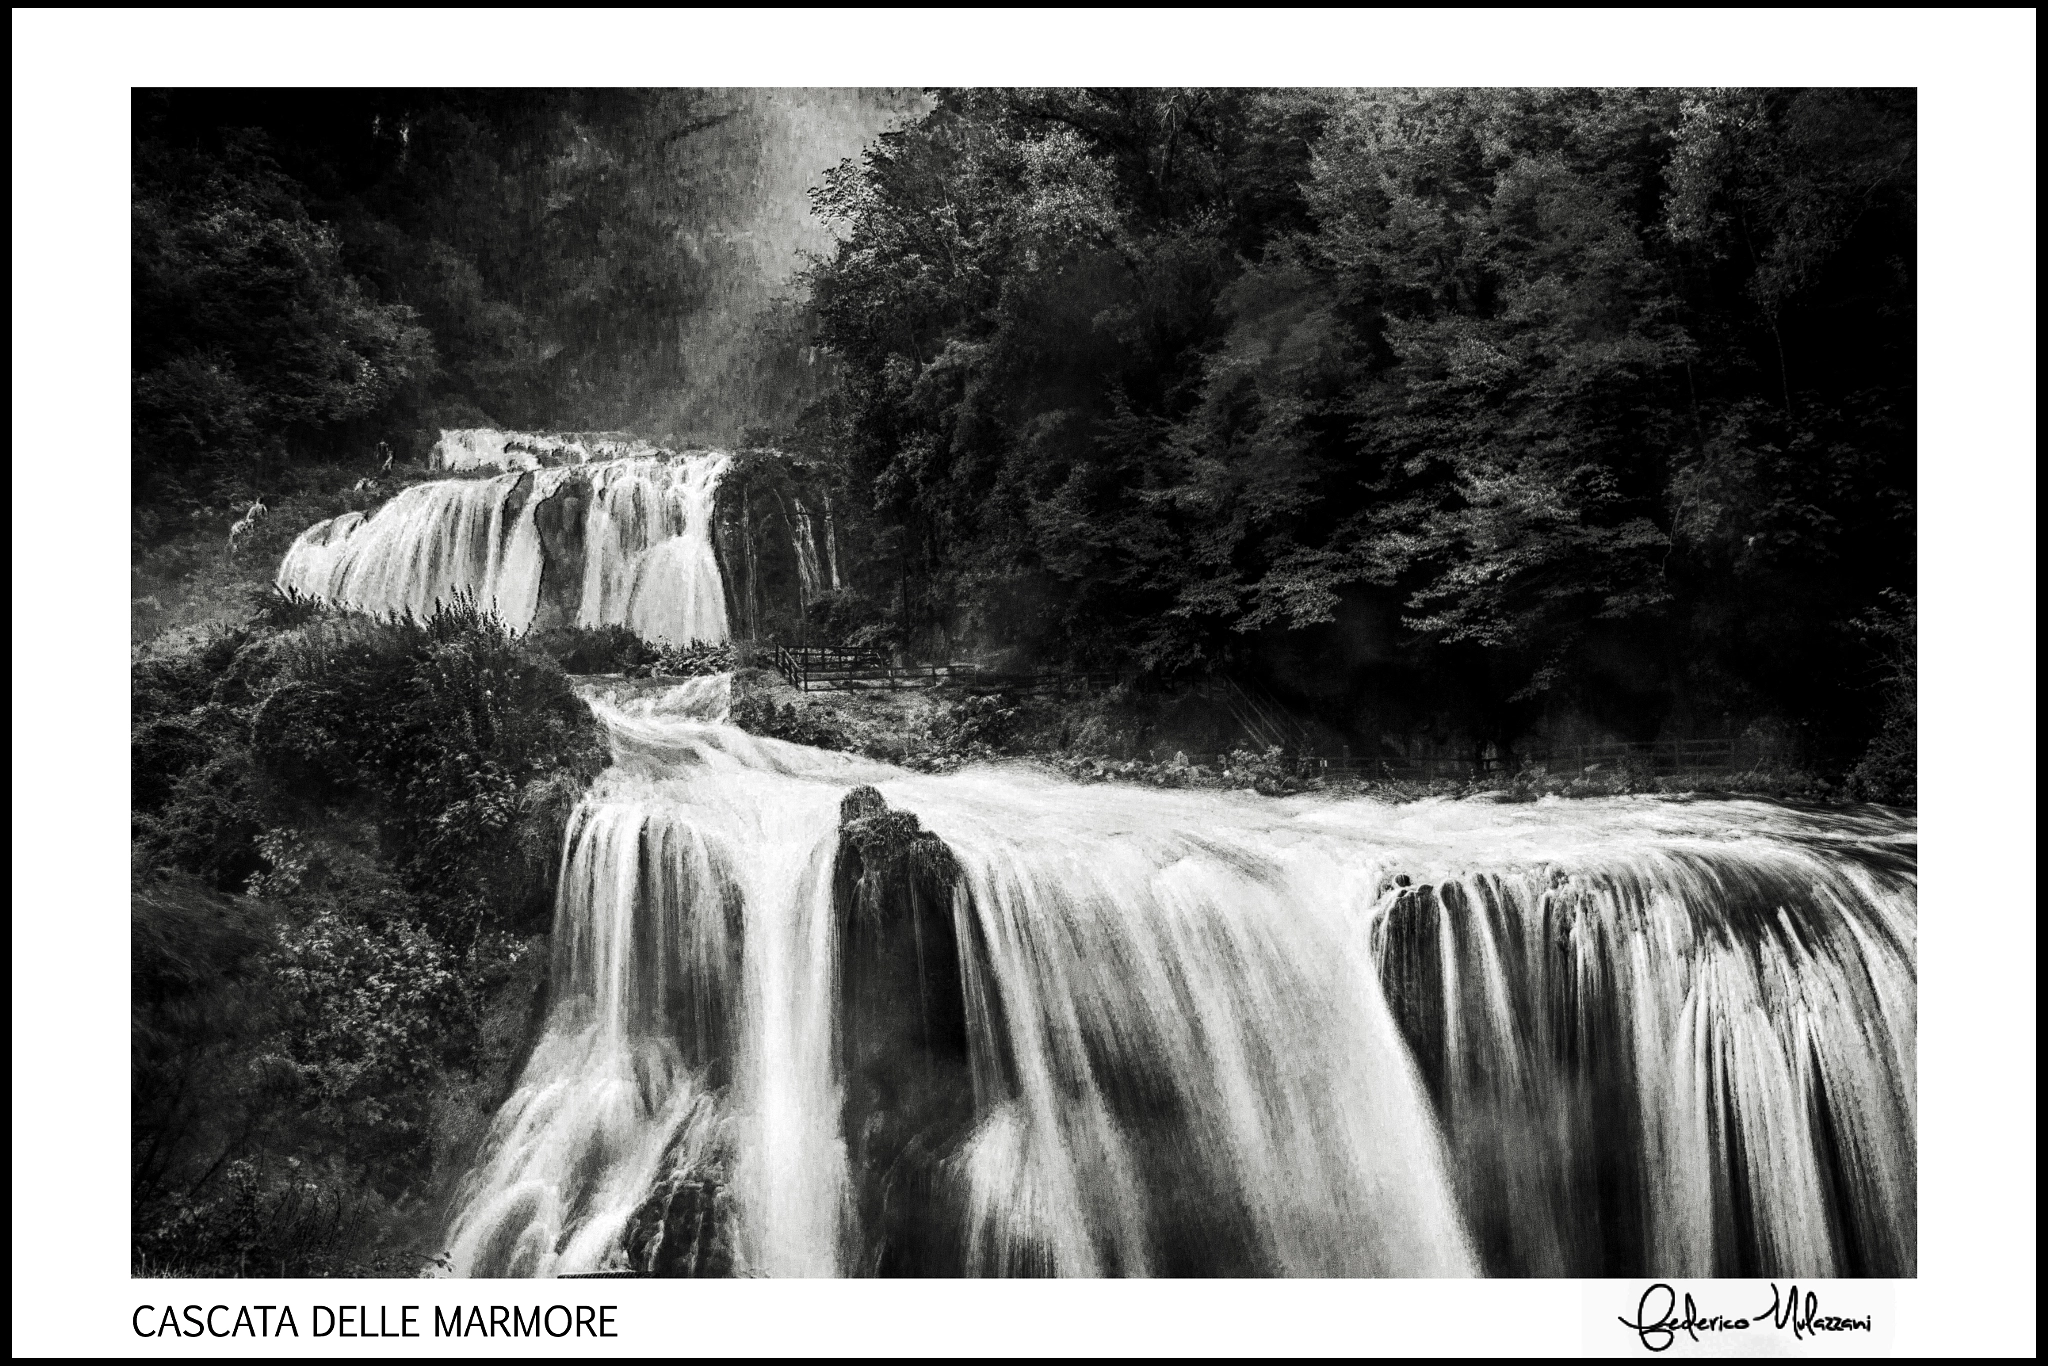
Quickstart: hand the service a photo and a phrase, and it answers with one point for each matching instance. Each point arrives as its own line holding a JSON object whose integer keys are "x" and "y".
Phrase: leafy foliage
{"x": 317, "y": 272}
{"x": 266, "y": 1222}
{"x": 1889, "y": 769}
{"x": 798, "y": 724}
{"x": 1495, "y": 401}
{"x": 250, "y": 330}
{"x": 596, "y": 649}
{"x": 395, "y": 794}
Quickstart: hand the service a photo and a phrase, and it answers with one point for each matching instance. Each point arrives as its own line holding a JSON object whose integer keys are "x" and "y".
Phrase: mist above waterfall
{"x": 526, "y": 259}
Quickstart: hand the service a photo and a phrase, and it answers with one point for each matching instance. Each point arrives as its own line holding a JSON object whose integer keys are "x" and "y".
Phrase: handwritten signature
{"x": 1658, "y": 1322}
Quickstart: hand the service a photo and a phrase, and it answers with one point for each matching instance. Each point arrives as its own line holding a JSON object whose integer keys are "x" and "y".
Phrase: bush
{"x": 198, "y": 1005}
{"x": 617, "y": 650}
{"x": 395, "y": 793}
{"x": 450, "y": 735}
{"x": 985, "y": 722}
{"x": 697, "y": 659}
{"x": 258, "y": 1220}
{"x": 209, "y": 825}
{"x": 369, "y": 1012}
{"x": 595, "y": 649}
{"x": 1889, "y": 770}
{"x": 800, "y": 725}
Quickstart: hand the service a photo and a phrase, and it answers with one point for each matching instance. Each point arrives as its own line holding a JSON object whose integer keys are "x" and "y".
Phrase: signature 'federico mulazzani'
{"x": 1659, "y": 1319}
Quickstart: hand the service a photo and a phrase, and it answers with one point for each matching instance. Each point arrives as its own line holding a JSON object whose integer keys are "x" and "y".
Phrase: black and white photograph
{"x": 738, "y": 680}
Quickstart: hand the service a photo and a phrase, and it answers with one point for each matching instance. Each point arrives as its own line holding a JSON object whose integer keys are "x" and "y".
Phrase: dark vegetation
{"x": 1126, "y": 734}
{"x": 1481, "y": 415}
{"x": 616, "y": 650}
{"x": 345, "y": 836}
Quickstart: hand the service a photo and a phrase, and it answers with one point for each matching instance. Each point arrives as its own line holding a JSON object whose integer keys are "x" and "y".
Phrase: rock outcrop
{"x": 902, "y": 1036}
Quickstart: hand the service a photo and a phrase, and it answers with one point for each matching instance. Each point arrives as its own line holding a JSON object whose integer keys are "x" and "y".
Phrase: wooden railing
{"x": 806, "y": 665}
{"x": 1658, "y": 756}
{"x": 1264, "y": 721}
{"x": 1663, "y": 755}
{"x": 819, "y": 668}
{"x": 815, "y": 668}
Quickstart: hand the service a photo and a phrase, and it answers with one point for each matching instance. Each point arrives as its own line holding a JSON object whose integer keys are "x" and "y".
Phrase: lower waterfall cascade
{"x": 814, "y": 1015}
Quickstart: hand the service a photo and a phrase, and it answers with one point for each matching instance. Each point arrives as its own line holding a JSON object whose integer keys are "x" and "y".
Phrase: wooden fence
{"x": 824, "y": 668}
{"x": 1660, "y": 757}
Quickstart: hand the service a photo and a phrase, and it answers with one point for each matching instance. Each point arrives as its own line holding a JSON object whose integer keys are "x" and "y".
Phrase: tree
{"x": 249, "y": 330}
{"x": 1603, "y": 394}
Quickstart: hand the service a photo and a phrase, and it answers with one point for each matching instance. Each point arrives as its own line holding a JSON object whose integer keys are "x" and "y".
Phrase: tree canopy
{"x": 1589, "y": 394}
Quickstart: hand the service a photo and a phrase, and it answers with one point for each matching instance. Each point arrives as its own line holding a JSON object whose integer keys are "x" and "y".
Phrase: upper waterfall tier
{"x": 624, "y": 542}
{"x": 483, "y": 448}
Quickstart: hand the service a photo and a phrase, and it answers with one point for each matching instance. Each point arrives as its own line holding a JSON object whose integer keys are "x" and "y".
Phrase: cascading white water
{"x": 484, "y": 448}
{"x": 655, "y": 884}
{"x": 643, "y": 527}
{"x": 1223, "y": 1034}
{"x": 816, "y": 576}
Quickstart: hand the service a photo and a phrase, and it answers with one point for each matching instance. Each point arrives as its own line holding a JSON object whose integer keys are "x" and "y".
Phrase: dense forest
{"x": 1509, "y": 401}
{"x": 1476, "y": 413}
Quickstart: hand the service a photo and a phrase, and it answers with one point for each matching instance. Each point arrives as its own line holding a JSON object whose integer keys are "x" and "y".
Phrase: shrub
{"x": 197, "y": 1004}
{"x": 263, "y": 1219}
{"x": 209, "y": 825}
{"x": 617, "y": 650}
{"x": 595, "y": 649}
{"x": 695, "y": 660}
{"x": 760, "y": 715}
{"x": 1889, "y": 770}
{"x": 367, "y": 1013}
{"x": 985, "y": 722}
{"x": 1265, "y": 772}
{"x": 282, "y": 609}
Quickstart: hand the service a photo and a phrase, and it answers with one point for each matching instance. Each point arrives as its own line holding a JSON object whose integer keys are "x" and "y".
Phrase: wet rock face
{"x": 559, "y": 518}
{"x": 902, "y": 1038}
{"x": 683, "y": 1230}
{"x": 1411, "y": 972}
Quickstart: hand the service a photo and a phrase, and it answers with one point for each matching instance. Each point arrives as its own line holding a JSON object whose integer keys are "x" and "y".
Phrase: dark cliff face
{"x": 902, "y": 1038}
{"x": 684, "y": 1229}
{"x": 766, "y": 506}
{"x": 559, "y": 518}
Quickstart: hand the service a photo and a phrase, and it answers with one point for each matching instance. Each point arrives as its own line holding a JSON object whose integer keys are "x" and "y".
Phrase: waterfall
{"x": 810, "y": 581}
{"x": 831, "y": 546}
{"x": 827, "y": 1016}
{"x": 624, "y": 541}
